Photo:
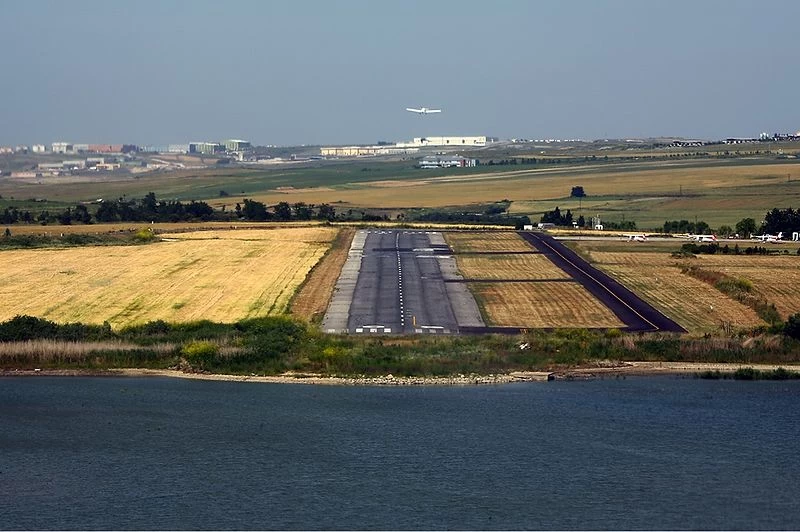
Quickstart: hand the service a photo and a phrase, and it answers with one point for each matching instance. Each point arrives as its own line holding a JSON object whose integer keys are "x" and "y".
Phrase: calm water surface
{"x": 647, "y": 453}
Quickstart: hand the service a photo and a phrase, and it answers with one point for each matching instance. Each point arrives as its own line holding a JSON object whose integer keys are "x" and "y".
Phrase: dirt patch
{"x": 311, "y": 299}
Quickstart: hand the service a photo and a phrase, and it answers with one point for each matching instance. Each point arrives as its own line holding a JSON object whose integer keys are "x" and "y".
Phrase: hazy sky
{"x": 343, "y": 72}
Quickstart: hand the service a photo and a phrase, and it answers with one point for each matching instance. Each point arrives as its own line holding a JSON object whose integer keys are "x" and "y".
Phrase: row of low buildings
{"x": 70, "y": 165}
{"x": 202, "y": 148}
{"x": 403, "y": 148}
{"x": 454, "y": 161}
{"x": 69, "y": 148}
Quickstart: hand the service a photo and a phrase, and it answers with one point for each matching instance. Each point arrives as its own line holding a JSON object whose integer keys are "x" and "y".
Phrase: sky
{"x": 343, "y": 72}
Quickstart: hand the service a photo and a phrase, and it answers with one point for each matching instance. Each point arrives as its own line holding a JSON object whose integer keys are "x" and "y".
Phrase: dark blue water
{"x": 655, "y": 453}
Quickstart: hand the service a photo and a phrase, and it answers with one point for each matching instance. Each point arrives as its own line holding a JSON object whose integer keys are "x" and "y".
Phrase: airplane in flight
{"x": 769, "y": 239}
{"x": 423, "y": 110}
{"x": 636, "y": 237}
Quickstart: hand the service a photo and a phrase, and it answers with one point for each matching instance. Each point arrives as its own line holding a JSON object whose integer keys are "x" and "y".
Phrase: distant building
{"x": 205, "y": 148}
{"x": 38, "y": 148}
{"x": 445, "y": 142}
{"x": 80, "y": 148}
{"x": 178, "y": 148}
{"x": 75, "y": 164}
{"x": 237, "y": 145}
{"x": 50, "y": 167}
{"x": 62, "y": 147}
{"x": 447, "y": 162}
{"x": 363, "y": 151}
{"x": 105, "y": 148}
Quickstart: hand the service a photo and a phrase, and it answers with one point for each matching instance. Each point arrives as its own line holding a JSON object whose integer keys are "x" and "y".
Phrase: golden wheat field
{"x": 502, "y": 266}
{"x": 217, "y": 275}
{"x": 466, "y": 242}
{"x": 777, "y": 278}
{"x": 537, "y": 305}
{"x": 694, "y": 304}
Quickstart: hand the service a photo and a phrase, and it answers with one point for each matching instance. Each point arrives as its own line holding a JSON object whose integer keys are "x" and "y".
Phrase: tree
{"x": 302, "y": 211}
{"x": 581, "y": 221}
{"x": 725, "y": 231}
{"x": 254, "y": 210}
{"x": 746, "y": 227}
{"x": 283, "y": 211}
{"x": 326, "y": 212}
{"x": 792, "y": 327}
{"x": 577, "y": 192}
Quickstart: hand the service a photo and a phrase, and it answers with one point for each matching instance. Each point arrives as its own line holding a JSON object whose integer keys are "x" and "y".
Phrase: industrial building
{"x": 62, "y": 147}
{"x": 38, "y": 148}
{"x": 237, "y": 145}
{"x": 361, "y": 151}
{"x": 205, "y": 148}
{"x": 105, "y": 148}
{"x": 445, "y": 142}
{"x": 455, "y": 161}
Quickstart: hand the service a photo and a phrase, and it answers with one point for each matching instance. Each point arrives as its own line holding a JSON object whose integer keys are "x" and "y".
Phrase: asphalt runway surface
{"x": 401, "y": 289}
{"x": 634, "y": 312}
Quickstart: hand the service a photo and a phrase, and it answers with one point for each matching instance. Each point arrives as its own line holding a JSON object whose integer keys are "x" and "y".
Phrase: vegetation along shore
{"x": 283, "y": 349}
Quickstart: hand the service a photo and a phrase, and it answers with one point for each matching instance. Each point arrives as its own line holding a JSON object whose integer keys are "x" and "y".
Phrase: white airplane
{"x": 701, "y": 238}
{"x": 769, "y": 239}
{"x": 637, "y": 237}
{"x": 423, "y": 110}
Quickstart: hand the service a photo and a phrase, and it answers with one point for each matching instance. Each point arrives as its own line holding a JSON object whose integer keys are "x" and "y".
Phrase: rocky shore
{"x": 598, "y": 371}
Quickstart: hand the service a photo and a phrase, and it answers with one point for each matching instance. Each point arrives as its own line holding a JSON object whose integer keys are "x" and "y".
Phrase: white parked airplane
{"x": 423, "y": 110}
{"x": 637, "y": 237}
{"x": 701, "y": 238}
{"x": 769, "y": 239}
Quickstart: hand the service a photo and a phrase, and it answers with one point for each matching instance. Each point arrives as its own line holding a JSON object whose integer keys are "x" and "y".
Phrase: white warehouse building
{"x": 445, "y": 142}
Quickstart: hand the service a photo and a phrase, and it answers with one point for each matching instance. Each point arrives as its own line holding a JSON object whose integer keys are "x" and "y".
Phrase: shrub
{"x": 200, "y": 354}
{"x": 144, "y": 235}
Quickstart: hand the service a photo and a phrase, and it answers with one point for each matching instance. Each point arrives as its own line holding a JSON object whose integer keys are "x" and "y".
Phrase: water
{"x": 648, "y": 453}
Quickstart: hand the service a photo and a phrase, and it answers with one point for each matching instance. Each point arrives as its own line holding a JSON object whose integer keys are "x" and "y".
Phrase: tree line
{"x": 151, "y": 209}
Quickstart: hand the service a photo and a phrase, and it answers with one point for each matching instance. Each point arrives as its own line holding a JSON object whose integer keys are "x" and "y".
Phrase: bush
{"x": 144, "y": 235}
{"x": 201, "y": 354}
{"x": 792, "y": 327}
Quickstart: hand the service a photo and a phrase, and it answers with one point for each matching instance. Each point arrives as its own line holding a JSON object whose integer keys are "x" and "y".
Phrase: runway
{"x": 400, "y": 287}
{"x": 637, "y": 315}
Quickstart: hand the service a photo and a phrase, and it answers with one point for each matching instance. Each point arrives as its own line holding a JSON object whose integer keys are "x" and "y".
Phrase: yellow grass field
{"x": 539, "y": 305}
{"x": 697, "y": 305}
{"x": 508, "y": 267}
{"x": 486, "y": 241}
{"x": 217, "y": 275}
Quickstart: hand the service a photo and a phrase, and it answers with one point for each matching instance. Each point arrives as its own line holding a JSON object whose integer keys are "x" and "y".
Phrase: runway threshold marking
{"x": 590, "y": 276}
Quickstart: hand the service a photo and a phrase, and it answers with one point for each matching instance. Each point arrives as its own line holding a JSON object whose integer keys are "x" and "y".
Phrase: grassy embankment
{"x": 275, "y": 345}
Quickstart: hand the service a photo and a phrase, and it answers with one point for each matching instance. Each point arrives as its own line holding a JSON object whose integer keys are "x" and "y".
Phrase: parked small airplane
{"x": 638, "y": 237}
{"x": 423, "y": 110}
{"x": 769, "y": 239}
{"x": 701, "y": 238}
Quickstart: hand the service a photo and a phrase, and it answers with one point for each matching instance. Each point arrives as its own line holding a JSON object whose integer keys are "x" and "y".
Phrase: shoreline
{"x": 624, "y": 369}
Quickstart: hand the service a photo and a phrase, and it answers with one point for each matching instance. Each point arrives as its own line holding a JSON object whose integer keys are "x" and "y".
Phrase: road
{"x": 400, "y": 287}
{"x": 634, "y": 312}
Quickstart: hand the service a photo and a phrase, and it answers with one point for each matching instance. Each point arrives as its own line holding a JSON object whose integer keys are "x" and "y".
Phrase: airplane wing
{"x": 434, "y": 110}
{"x": 413, "y": 110}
